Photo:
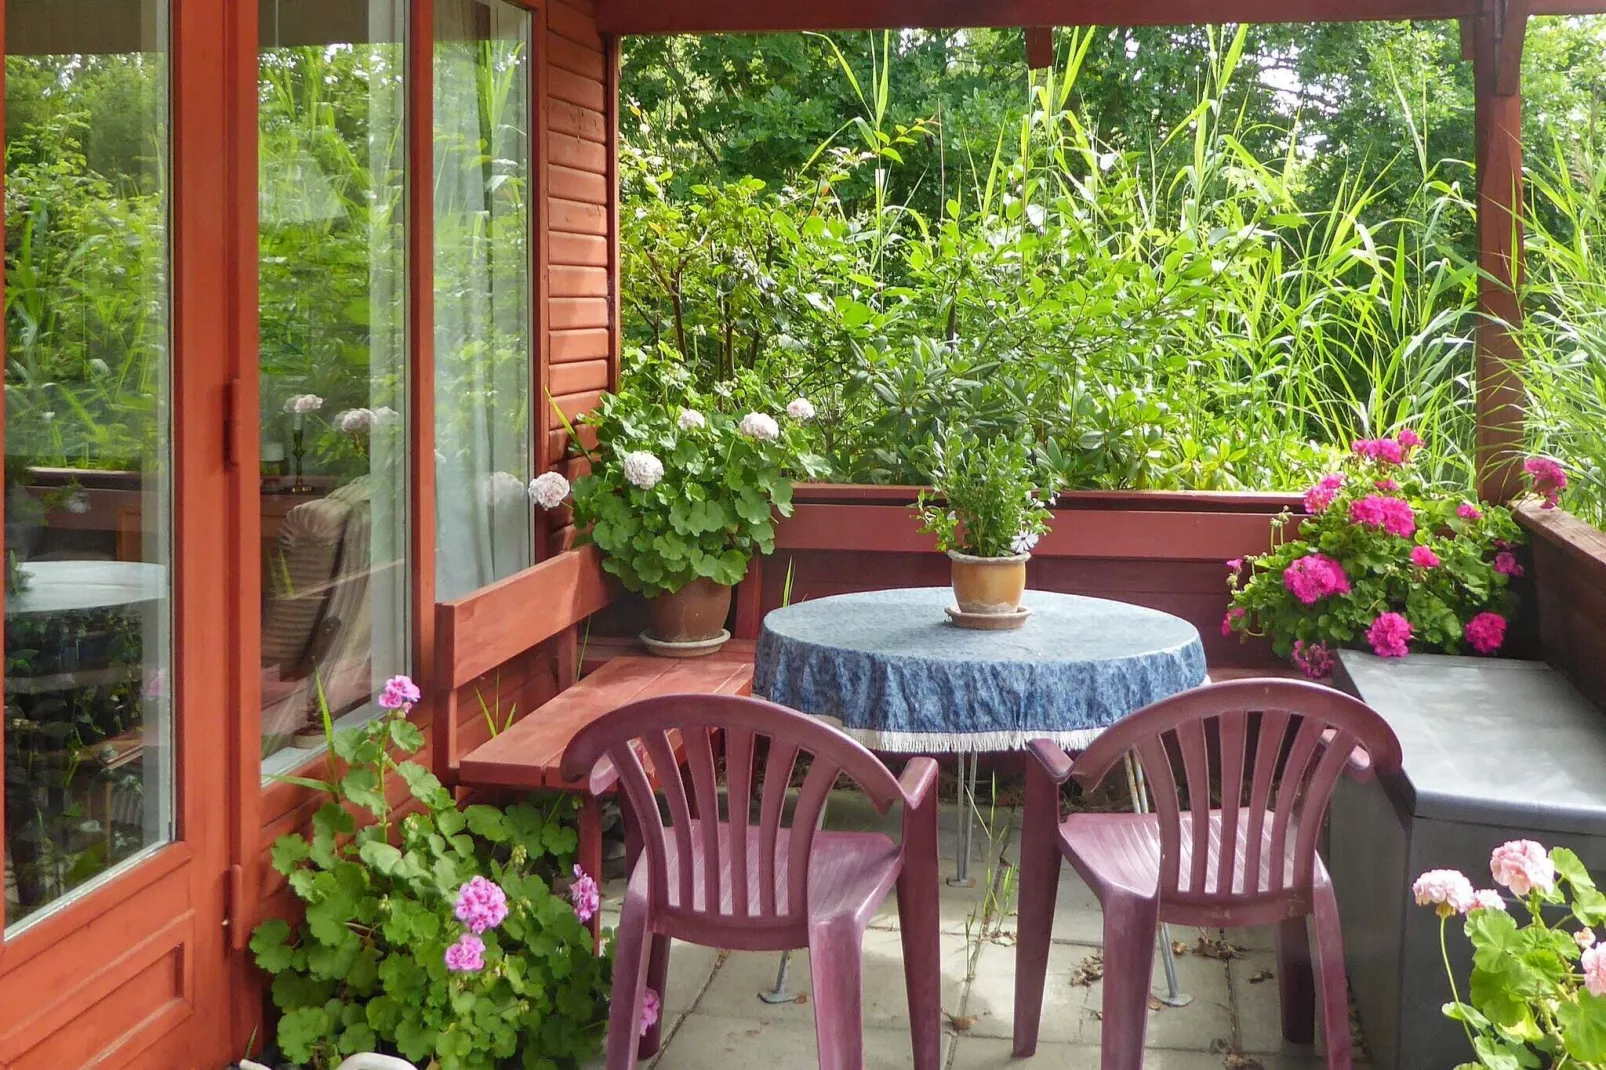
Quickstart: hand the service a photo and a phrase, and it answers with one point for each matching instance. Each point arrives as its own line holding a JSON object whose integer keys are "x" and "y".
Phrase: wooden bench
{"x": 476, "y": 634}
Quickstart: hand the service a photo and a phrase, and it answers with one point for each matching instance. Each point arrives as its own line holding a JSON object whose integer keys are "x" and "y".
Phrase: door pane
{"x": 482, "y": 293}
{"x": 88, "y": 779}
{"x": 333, "y": 272}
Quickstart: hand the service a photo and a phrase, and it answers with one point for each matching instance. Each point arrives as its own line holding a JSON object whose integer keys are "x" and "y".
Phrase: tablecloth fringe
{"x": 961, "y": 742}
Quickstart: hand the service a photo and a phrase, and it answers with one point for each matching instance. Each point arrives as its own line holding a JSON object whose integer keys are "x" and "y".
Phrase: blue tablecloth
{"x": 888, "y": 668}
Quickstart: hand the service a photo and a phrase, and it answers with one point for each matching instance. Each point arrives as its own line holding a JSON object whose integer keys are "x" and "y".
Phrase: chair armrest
{"x": 1360, "y": 762}
{"x": 1055, "y": 762}
{"x": 918, "y": 780}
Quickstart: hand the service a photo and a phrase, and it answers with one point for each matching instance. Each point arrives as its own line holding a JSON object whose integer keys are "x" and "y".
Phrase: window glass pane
{"x": 333, "y": 273}
{"x": 482, "y": 293}
{"x": 88, "y": 779}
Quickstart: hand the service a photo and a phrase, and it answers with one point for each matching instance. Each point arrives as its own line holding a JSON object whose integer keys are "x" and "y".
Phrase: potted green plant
{"x": 680, "y": 497}
{"x": 988, "y": 505}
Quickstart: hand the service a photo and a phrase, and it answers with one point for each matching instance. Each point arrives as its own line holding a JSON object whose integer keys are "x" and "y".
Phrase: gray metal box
{"x": 1494, "y": 750}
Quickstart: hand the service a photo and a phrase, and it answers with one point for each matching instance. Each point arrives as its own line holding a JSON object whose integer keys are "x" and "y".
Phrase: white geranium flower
{"x": 500, "y": 488}
{"x": 1024, "y": 542}
{"x": 384, "y": 414}
{"x": 301, "y": 404}
{"x": 764, "y": 428}
{"x": 548, "y": 490}
{"x": 643, "y": 470}
{"x": 353, "y": 420}
{"x": 801, "y": 409}
{"x": 692, "y": 420}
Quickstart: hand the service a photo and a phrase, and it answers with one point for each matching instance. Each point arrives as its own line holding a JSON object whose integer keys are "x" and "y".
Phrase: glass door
{"x": 114, "y": 842}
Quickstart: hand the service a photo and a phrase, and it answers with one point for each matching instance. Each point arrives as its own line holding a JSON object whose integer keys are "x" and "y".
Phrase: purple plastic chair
{"x": 724, "y": 880}
{"x": 1277, "y": 748}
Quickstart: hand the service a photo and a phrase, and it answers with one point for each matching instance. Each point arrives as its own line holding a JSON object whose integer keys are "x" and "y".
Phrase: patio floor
{"x": 715, "y": 1018}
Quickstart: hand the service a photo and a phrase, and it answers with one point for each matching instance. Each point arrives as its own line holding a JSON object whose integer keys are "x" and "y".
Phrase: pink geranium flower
{"x": 1584, "y": 938}
{"x": 1468, "y": 511}
{"x": 1381, "y": 450}
{"x": 651, "y": 1008}
{"x": 1315, "y": 660}
{"x": 1409, "y": 438}
{"x": 1424, "y": 557}
{"x": 1388, "y": 486}
{"x": 1235, "y": 566}
{"x": 481, "y": 905}
{"x": 1593, "y": 962}
{"x": 1315, "y": 576}
{"x": 1488, "y": 899}
{"x": 584, "y": 895}
{"x": 1320, "y": 496}
{"x": 1393, "y": 515}
{"x": 399, "y": 694}
{"x": 1549, "y": 479}
{"x": 1390, "y": 636}
{"x": 1447, "y": 889}
{"x": 1506, "y": 562}
{"x": 467, "y": 955}
{"x": 1486, "y": 632}
{"x": 1522, "y": 866}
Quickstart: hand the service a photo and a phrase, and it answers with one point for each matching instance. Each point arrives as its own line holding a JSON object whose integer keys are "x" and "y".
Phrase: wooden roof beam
{"x": 1510, "y": 32}
{"x": 1039, "y": 47}
{"x": 744, "y": 16}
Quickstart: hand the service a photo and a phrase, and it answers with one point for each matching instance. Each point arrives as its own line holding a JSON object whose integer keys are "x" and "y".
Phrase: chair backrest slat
{"x": 1233, "y": 731}
{"x": 739, "y": 793}
{"x": 1307, "y": 737}
{"x": 720, "y": 859}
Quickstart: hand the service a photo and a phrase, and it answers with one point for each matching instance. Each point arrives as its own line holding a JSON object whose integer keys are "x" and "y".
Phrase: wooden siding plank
{"x": 575, "y": 217}
{"x": 574, "y": 406}
{"x": 568, "y": 151}
{"x": 588, "y": 187}
{"x": 568, "y": 280}
{"x": 576, "y": 59}
{"x": 558, "y": 440}
{"x": 574, "y": 25}
{"x": 579, "y": 250}
{"x": 573, "y": 312}
{"x": 593, "y": 343}
{"x": 568, "y": 118}
{"x": 580, "y": 376}
{"x": 582, "y": 92}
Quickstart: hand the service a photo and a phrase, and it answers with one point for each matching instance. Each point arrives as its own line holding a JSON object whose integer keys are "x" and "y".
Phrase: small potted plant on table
{"x": 994, "y": 505}
{"x": 679, "y": 499}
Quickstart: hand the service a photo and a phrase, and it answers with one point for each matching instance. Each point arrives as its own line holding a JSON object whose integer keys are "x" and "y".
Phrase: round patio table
{"x": 889, "y": 669}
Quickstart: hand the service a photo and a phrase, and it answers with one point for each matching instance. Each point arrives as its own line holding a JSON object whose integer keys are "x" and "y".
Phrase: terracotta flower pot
{"x": 693, "y": 615}
{"x": 989, "y": 586}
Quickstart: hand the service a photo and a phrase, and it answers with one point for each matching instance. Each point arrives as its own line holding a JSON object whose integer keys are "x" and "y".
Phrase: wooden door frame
{"x": 131, "y": 924}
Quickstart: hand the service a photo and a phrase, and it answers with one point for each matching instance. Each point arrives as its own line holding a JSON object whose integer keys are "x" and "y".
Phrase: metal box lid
{"x": 1489, "y": 741}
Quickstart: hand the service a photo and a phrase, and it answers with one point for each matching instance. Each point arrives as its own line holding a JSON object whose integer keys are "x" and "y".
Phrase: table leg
{"x": 967, "y": 821}
{"x": 1174, "y": 996}
{"x": 779, "y": 993}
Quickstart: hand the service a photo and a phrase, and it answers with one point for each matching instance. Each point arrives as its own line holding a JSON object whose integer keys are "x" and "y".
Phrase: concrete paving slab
{"x": 709, "y": 1043}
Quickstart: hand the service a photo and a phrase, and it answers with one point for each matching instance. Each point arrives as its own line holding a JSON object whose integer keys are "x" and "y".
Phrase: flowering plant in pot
{"x": 681, "y": 495}
{"x": 988, "y": 505}
{"x": 1537, "y": 995}
{"x": 440, "y": 936}
{"x": 1382, "y": 563}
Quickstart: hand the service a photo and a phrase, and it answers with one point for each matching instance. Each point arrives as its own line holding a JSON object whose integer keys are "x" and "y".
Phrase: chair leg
{"x": 1130, "y": 925}
{"x": 1039, "y": 885}
{"x": 658, "y": 981}
{"x": 919, "y": 926}
{"x": 631, "y": 948}
{"x": 835, "y": 951}
{"x": 1334, "y": 981}
{"x": 1296, "y": 987}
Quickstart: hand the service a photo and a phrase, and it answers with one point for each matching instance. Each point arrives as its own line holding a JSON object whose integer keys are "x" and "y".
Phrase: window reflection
{"x": 333, "y": 277}
{"x": 482, "y": 294}
{"x": 88, "y": 779}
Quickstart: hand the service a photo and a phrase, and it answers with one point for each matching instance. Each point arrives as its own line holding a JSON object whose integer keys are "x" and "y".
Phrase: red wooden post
{"x": 1039, "y": 47}
{"x": 1499, "y": 178}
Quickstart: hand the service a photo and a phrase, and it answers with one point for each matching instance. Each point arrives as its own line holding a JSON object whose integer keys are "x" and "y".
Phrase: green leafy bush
{"x": 680, "y": 488}
{"x": 369, "y": 966}
{"x": 1537, "y": 996}
{"x": 994, "y": 496}
{"x": 1382, "y": 560}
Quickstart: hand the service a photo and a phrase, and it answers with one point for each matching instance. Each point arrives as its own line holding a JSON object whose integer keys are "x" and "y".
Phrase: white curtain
{"x": 482, "y": 294}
